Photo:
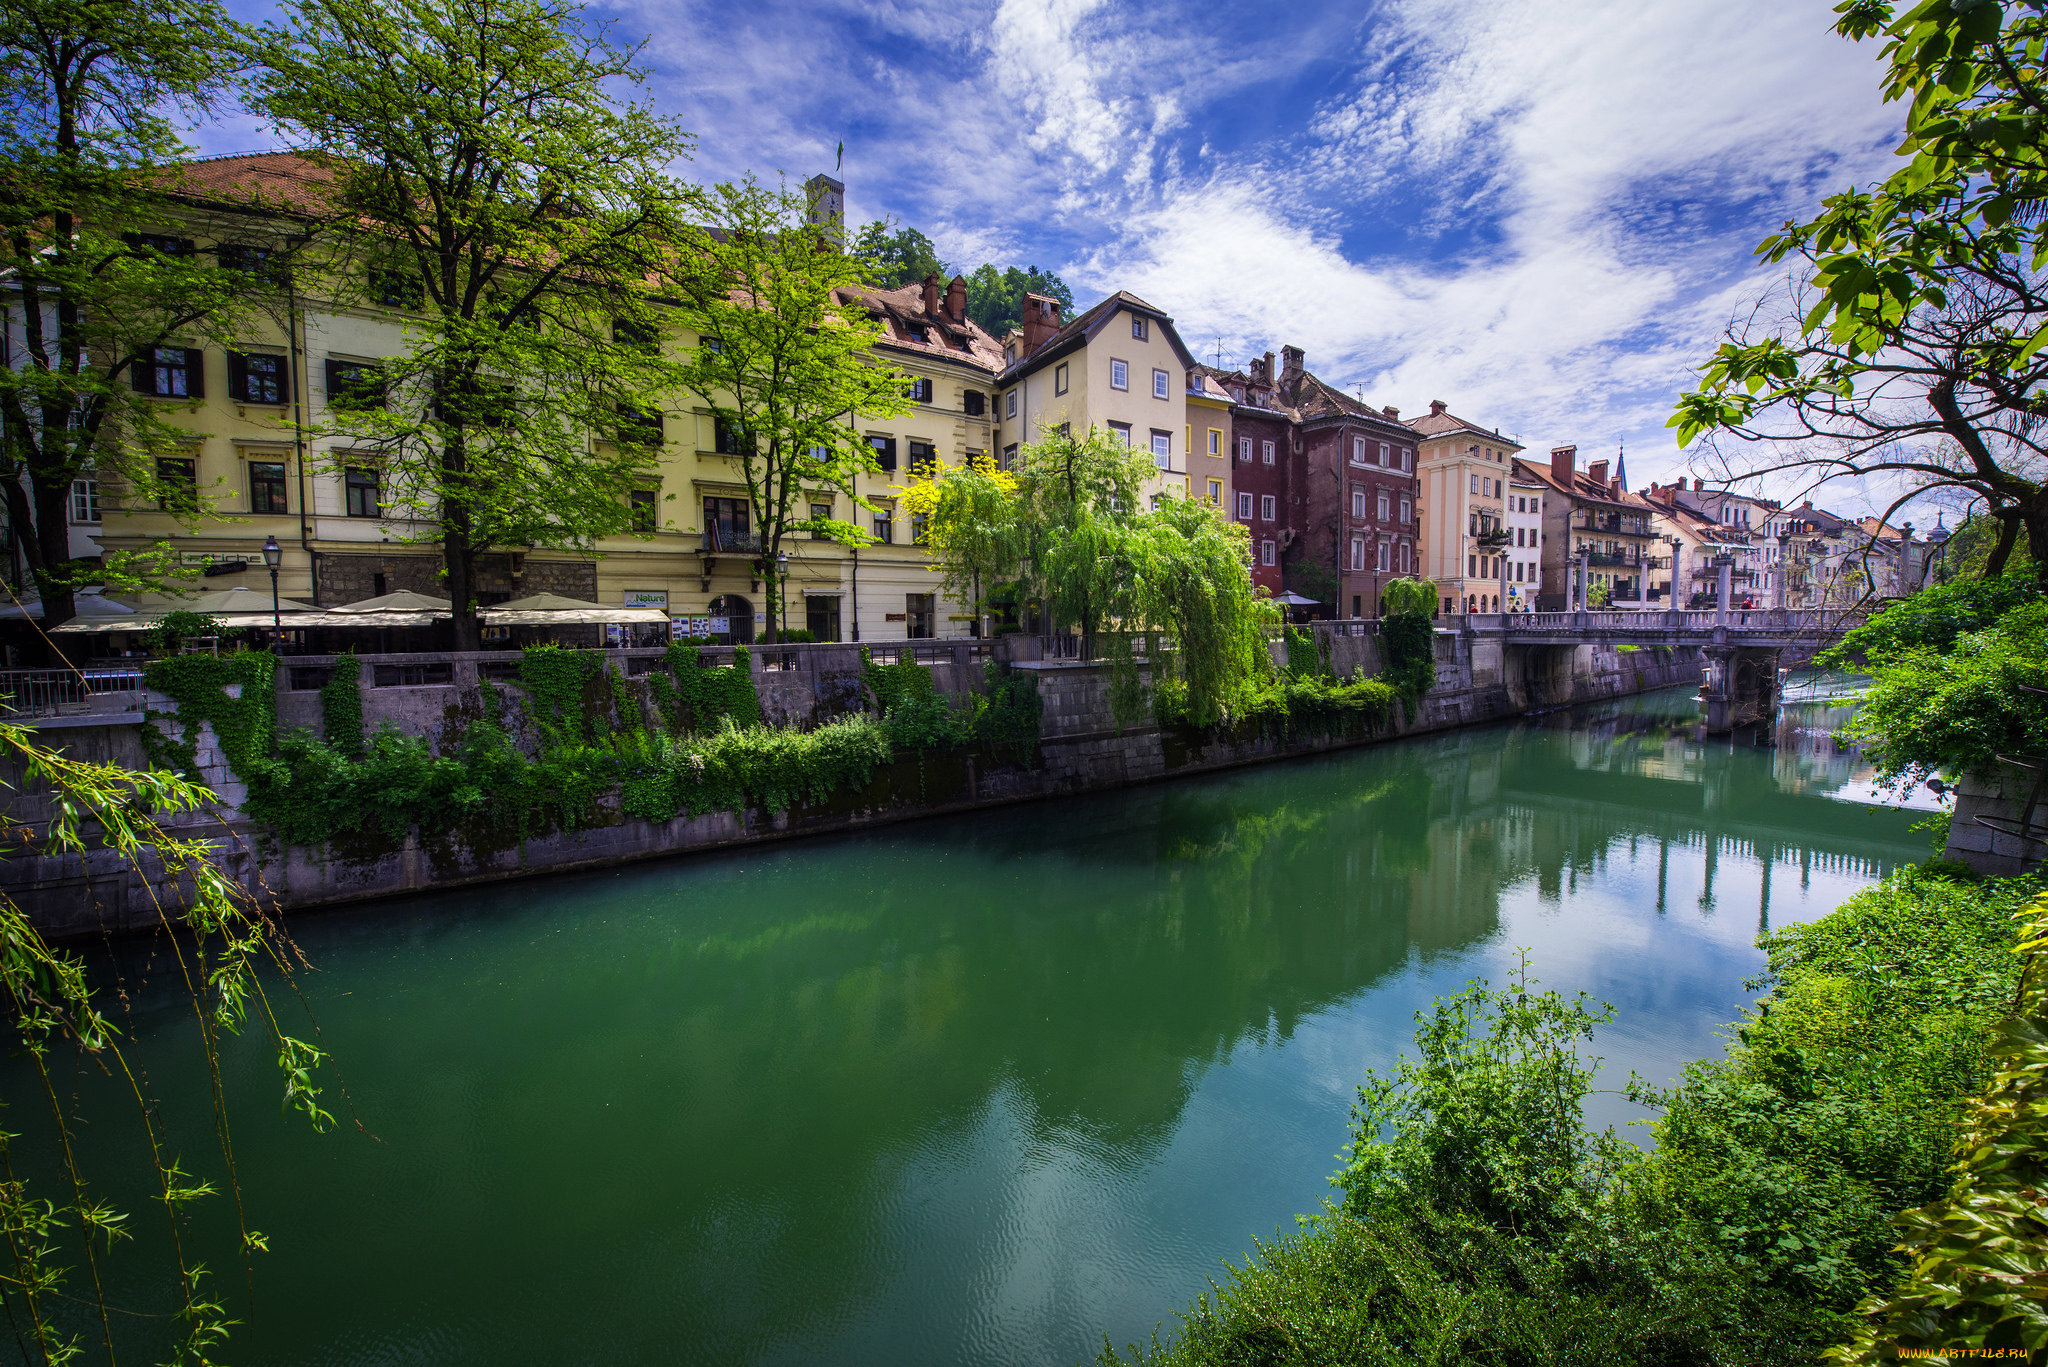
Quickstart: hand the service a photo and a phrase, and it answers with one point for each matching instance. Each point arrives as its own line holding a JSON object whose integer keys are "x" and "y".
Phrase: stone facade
{"x": 349, "y": 577}
{"x": 2000, "y": 825}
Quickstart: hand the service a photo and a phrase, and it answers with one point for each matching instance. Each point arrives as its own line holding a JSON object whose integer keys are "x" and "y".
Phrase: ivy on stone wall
{"x": 341, "y": 706}
{"x": 694, "y": 696}
{"x": 245, "y": 726}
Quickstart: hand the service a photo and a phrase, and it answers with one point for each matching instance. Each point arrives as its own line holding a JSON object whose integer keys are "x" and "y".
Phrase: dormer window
{"x": 1141, "y": 328}
{"x": 915, "y": 334}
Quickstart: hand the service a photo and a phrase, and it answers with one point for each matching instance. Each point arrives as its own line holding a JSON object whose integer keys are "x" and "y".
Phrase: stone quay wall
{"x": 1080, "y": 750}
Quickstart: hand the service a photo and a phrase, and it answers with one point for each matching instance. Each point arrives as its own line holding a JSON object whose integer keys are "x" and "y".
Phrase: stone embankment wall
{"x": 1080, "y": 750}
{"x": 2000, "y": 823}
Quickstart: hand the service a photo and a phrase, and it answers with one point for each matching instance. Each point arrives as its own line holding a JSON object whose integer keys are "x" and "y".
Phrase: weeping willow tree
{"x": 1079, "y": 532}
{"x": 1407, "y": 640}
{"x": 61, "y": 1232}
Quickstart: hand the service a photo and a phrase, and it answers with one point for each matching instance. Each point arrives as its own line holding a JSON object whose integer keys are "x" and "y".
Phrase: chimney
{"x": 1698, "y": 484}
{"x": 1807, "y": 506}
{"x": 956, "y": 300}
{"x": 1597, "y": 471}
{"x": 1614, "y": 487}
{"x": 1268, "y": 371}
{"x": 1290, "y": 374}
{"x": 1563, "y": 459}
{"x": 1041, "y": 321}
{"x": 931, "y": 296}
{"x": 1391, "y": 413}
{"x": 1436, "y": 408}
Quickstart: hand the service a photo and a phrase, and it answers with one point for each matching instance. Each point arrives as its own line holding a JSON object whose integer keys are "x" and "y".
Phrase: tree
{"x": 896, "y": 259}
{"x": 488, "y": 185}
{"x": 995, "y": 299}
{"x": 1919, "y": 315}
{"x": 96, "y": 269}
{"x": 783, "y": 363}
{"x": 966, "y": 512}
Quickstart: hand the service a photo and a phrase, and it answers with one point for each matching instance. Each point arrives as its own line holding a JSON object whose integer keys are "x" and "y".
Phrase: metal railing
{"x": 731, "y": 543}
{"x": 64, "y": 692}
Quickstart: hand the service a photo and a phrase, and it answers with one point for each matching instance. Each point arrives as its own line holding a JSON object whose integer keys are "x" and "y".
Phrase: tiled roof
{"x": 1319, "y": 399}
{"x": 902, "y": 314}
{"x": 282, "y": 181}
{"x": 1084, "y": 326}
{"x": 1583, "y": 487}
{"x": 1442, "y": 422}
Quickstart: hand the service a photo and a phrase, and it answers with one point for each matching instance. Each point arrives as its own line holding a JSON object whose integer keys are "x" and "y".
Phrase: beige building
{"x": 1119, "y": 366}
{"x": 1464, "y": 470}
{"x": 261, "y": 464}
{"x": 1208, "y": 439}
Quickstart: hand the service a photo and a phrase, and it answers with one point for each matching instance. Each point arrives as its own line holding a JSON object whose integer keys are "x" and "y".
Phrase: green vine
{"x": 245, "y": 726}
{"x": 341, "y": 706}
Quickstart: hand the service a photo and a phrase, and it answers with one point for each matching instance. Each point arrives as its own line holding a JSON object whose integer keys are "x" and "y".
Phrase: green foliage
{"x": 554, "y": 681}
{"x": 731, "y": 769}
{"x": 341, "y": 706}
{"x": 526, "y": 210}
{"x": 1008, "y": 715}
{"x": 1308, "y": 654}
{"x": 896, "y": 259}
{"x": 917, "y": 716}
{"x": 1600, "y": 595}
{"x": 246, "y": 726}
{"x": 1410, "y": 595}
{"x": 995, "y": 299}
{"x": 1979, "y": 1279}
{"x": 1408, "y": 652}
{"x": 1933, "y": 711}
{"x": 695, "y": 696}
{"x": 1932, "y": 619}
{"x": 171, "y": 632}
{"x": 1481, "y": 1220}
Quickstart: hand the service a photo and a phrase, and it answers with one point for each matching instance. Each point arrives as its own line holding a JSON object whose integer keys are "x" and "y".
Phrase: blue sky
{"x": 1541, "y": 213}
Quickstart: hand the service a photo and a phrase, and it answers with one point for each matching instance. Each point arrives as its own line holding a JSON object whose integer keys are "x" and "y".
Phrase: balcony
{"x": 722, "y": 542}
{"x": 1628, "y": 558}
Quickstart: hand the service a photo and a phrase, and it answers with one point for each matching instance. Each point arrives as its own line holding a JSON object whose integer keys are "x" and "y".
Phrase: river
{"x": 973, "y": 1090}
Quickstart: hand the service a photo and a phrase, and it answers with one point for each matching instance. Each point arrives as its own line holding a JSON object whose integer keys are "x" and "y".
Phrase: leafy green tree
{"x": 783, "y": 362}
{"x": 489, "y": 185}
{"x": 995, "y": 299}
{"x": 100, "y": 269}
{"x": 966, "y": 512}
{"x": 903, "y": 257}
{"x": 1913, "y": 346}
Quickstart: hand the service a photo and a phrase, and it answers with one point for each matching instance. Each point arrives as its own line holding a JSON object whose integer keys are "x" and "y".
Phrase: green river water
{"x": 971, "y": 1090}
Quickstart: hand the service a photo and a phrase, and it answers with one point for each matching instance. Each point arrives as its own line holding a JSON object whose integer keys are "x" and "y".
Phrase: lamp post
{"x": 782, "y": 593}
{"x": 273, "y": 556}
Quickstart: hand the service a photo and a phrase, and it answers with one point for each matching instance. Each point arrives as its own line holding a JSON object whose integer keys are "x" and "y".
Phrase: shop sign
{"x": 647, "y": 598}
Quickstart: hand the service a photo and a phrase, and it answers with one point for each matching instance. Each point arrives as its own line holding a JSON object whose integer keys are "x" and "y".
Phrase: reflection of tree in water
{"x": 726, "y": 1066}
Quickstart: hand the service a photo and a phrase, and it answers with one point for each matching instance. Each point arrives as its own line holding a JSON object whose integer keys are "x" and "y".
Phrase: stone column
{"x": 1725, "y": 584}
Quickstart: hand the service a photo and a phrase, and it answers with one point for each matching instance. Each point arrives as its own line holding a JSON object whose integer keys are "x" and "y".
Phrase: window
{"x": 644, "y": 512}
{"x": 1010, "y": 456}
{"x": 884, "y": 526}
{"x": 727, "y": 438}
{"x": 396, "y": 289}
{"x": 885, "y": 451}
{"x": 1358, "y": 450}
{"x": 923, "y": 453}
{"x": 1383, "y": 505}
{"x": 920, "y": 389}
{"x": 920, "y": 617}
{"x": 1407, "y": 508}
{"x": 918, "y": 523}
{"x": 638, "y": 427}
{"x": 916, "y": 333}
{"x": 180, "y": 485}
{"x": 1059, "y": 378}
{"x": 976, "y": 404}
{"x": 1141, "y": 328}
{"x": 260, "y": 262}
{"x": 714, "y": 345}
{"x": 159, "y": 244}
{"x": 1215, "y": 493}
{"x": 354, "y": 385}
{"x": 1358, "y": 502}
{"x": 85, "y": 500}
{"x": 821, "y": 616}
{"x": 628, "y": 333}
{"x": 266, "y": 486}
{"x": 1406, "y": 567}
{"x": 257, "y": 378}
{"x": 1162, "y": 447}
{"x": 1010, "y": 404}
{"x": 1475, "y": 484}
{"x": 1266, "y": 452}
{"x": 1385, "y": 458}
{"x": 1357, "y": 552}
{"x": 1407, "y": 460}
{"x": 1244, "y": 506}
{"x": 171, "y": 372}
{"x": 1119, "y": 374}
{"x": 820, "y": 512}
{"x": 1386, "y": 560}
{"x": 1265, "y": 552}
{"x": 1268, "y": 507}
{"x": 1121, "y": 431}
{"x": 1471, "y": 566}
{"x": 1244, "y": 448}
{"x": 1215, "y": 442}
{"x": 1162, "y": 384}
{"x": 726, "y": 525}
{"x": 360, "y": 485}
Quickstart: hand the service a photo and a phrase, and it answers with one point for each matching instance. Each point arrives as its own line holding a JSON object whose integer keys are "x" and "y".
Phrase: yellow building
{"x": 1464, "y": 470}
{"x": 262, "y": 465}
{"x": 1119, "y": 366}
{"x": 1208, "y": 439}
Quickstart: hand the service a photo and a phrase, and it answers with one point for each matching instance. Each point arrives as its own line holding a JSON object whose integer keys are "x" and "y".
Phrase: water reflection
{"x": 976, "y": 1089}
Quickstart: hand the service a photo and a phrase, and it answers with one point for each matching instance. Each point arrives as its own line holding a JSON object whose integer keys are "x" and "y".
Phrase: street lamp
{"x": 273, "y": 556}
{"x": 782, "y": 575}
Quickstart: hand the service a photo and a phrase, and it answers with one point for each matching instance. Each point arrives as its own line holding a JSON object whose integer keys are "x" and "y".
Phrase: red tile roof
{"x": 902, "y": 314}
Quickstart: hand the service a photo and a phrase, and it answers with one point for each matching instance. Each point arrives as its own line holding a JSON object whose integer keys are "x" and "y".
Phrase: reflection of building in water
{"x": 1811, "y": 758}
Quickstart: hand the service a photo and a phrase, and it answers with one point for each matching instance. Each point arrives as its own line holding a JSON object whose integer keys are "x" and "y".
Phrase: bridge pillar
{"x": 1741, "y": 687}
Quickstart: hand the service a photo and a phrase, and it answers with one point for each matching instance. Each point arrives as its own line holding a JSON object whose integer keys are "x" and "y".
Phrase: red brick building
{"x": 1325, "y": 483}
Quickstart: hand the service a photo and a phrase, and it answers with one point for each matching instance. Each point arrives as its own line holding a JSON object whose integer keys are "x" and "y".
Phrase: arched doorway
{"x": 739, "y": 615}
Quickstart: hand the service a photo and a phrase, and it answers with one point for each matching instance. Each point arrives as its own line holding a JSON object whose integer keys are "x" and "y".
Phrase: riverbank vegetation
{"x": 1480, "y": 1219}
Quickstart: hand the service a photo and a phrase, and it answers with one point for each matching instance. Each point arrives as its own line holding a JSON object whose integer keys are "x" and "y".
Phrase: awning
{"x": 553, "y": 610}
{"x": 223, "y": 601}
{"x": 404, "y": 600}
